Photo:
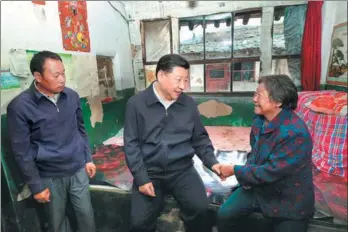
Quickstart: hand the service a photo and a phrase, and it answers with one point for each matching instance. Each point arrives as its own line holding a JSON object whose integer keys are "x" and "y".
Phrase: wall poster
{"x": 39, "y": 2}
{"x": 338, "y": 61}
{"x": 73, "y": 22}
{"x": 68, "y": 65}
{"x": 150, "y": 74}
{"x": 10, "y": 88}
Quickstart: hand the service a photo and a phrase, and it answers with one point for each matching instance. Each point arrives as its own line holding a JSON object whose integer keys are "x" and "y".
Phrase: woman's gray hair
{"x": 281, "y": 89}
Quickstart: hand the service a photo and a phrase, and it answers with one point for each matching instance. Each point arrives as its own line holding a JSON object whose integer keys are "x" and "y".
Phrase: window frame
{"x": 285, "y": 56}
{"x": 113, "y": 79}
{"x": 143, "y": 39}
{"x": 231, "y": 60}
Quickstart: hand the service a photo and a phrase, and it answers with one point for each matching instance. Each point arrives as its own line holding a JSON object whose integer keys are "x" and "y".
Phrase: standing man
{"x": 162, "y": 132}
{"x": 50, "y": 144}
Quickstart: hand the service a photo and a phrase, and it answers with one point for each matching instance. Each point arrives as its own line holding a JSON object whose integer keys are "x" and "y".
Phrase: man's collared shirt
{"x": 53, "y": 99}
{"x": 164, "y": 102}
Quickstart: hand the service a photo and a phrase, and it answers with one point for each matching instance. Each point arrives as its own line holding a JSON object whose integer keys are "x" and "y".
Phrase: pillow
{"x": 332, "y": 104}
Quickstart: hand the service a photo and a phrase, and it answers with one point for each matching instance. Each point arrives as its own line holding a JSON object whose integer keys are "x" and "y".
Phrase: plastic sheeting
{"x": 294, "y": 20}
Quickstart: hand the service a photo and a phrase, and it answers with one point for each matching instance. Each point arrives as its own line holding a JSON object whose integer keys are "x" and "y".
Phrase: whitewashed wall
{"x": 25, "y": 25}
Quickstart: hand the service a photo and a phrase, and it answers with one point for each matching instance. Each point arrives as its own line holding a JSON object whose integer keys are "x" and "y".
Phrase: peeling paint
{"x": 213, "y": 109}
{"x": 96, "y": 107}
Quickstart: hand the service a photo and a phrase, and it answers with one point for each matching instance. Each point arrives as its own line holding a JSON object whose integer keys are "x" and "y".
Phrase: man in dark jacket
{"x": 50, "y": 144}
{"x": 162, "y": 132}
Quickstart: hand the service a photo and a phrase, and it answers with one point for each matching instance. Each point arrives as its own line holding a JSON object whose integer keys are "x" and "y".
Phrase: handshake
{"x": 223, "y": 170}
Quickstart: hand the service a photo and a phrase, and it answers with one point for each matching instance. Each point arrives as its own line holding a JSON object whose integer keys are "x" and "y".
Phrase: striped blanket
{"x": 329, "y": 133}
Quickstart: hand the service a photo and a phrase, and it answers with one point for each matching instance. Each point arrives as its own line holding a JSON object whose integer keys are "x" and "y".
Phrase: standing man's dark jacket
{"x": 47, "y": 140}
{"x": 159, "y": 140}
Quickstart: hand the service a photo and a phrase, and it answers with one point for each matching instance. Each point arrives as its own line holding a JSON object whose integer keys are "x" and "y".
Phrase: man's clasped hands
{"x": 223, "y": 170}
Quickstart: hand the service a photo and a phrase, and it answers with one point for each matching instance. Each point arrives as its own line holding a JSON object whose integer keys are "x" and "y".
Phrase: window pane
{"x": 247, "y": 34}
{"x": 196, "y": 83}
{"x": 157, "y": 39}
{"x": 218, "y": 39}
{"x": 290, "y": 67}
{"x": 191, "y": 38}
{"x": 107, "y": 87}
{"x": 245, "y": 76}
{"x": 150, "y": 74}
{"x": 218, "y": 77}
{"x": 288, "y": 25}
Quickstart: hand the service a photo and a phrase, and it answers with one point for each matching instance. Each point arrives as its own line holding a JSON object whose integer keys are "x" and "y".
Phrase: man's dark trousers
{"x": 187, "y": 187}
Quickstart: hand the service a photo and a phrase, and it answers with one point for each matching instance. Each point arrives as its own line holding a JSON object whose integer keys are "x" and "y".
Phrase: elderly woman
{"x": 277, "y": 178}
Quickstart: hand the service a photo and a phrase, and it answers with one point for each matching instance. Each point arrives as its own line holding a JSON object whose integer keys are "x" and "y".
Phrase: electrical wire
{"x": 125, "y": 19}
{"x": 130, "y": 41}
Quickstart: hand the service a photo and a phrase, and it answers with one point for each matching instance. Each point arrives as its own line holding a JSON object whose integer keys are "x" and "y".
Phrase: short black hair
{"x": 167, "y": 62}
{"x": 281, "y": 89}
{"x": 38, "y": 60}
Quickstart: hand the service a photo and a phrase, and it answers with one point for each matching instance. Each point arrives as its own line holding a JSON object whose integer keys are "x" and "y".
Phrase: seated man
{"x": 277, "y": 178}
{"x": 162, "y": 132}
